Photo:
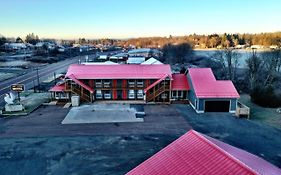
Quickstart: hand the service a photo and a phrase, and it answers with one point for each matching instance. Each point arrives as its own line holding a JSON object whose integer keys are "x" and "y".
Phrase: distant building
{"x": 210, "y": 95}
{"x": 273, "y": 47}
{"x": 135, "y": 60}
{"x": 119, "y": 58}
{"x": 152, "y": 61}
{"x": 256, "y": 47}
{"x": 145, "y": 52}
{"x": 14, "y": 46}
{"x": 103, "y": 57}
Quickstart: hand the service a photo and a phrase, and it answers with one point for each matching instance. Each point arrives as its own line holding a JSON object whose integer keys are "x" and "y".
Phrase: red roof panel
{"x": 193, "y": 154}
{"x": 180, "y": 82}
{"x": 123, "y": 71}
{"x": 206, "y": 86}
{"x": 57, "y": 88}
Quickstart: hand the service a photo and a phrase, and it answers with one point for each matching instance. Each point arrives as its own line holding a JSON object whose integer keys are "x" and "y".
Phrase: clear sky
{"x": 136, "y": 18}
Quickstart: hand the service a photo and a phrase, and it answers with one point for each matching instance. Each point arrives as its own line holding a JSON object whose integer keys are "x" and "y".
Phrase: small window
{"x": 140, "y": 94}
{"x": 174, "y": 94}
{"x": 98, "y": 83}
{"x": 131, "y": 94}
{"x": 180, "y": 94}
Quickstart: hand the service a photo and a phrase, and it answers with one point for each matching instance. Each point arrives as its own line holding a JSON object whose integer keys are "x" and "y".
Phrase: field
{"x": 267, "y": 116}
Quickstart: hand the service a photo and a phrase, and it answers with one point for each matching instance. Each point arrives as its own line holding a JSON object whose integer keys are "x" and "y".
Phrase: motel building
{"x": 148, "y": 84}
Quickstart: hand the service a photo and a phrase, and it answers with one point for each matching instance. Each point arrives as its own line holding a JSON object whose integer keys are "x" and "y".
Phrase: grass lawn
{"x": 30, "y": 101}
{"x": 266, "y": 115}
{"x": 5, "y": 76}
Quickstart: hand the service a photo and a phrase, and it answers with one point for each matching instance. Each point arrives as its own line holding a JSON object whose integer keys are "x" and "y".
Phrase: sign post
{"x": 17, "y": 88}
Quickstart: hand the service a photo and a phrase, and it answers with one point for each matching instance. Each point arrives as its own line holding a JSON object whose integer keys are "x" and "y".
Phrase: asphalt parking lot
{"x": 46, "y": 121}
{"x": 117, "y": 148}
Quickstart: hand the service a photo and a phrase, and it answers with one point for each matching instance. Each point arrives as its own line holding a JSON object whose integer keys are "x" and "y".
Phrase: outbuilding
{"x": 210, "y": 95}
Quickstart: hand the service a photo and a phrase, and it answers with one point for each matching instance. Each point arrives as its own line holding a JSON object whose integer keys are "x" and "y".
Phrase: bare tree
{"x": 228, "y": 59}
{"x": 254, "y": 64}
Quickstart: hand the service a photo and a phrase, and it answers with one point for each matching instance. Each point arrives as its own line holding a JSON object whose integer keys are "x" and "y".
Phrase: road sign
{"x": 17, "y": 87}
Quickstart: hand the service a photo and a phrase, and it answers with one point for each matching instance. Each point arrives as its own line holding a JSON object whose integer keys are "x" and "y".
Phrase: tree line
{"x": 207, "y": 41}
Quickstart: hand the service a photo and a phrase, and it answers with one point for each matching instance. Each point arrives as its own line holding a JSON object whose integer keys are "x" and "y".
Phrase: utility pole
{"x": 38, "y": 82}
{"x": 33, "y": 86}
{"x": 55, "y": 78}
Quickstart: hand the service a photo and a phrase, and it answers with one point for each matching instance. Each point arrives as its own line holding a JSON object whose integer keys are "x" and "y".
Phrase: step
{"x": 67, "y": 105}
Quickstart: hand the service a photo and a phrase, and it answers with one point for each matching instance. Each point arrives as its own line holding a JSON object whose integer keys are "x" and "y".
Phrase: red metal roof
{"x": 206, "y": 86}
{"x": 193, "y": 154}
{"x": 57, "y": 88}
{"x": 180, "y": 82}
{"x": 257, "y": 164}
{"x": 123, "y": 71}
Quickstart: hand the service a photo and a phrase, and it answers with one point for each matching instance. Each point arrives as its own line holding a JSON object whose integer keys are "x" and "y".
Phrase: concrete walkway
{"x": 102, "y": 113}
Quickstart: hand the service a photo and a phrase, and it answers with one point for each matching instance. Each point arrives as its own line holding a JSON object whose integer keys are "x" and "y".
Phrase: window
{"x": 107, "y": 95}
{"x": 106, "y": 83}
{"x": 174, "y": 94}
{"x": 131, "y": 83}
{"x": 98, "y": 83}
{"x": 140, "y": 94}
{"x": 139, "y": 83}
{"x": 131, "y": 94}
{"x": 180, "y": 94}
{"x": 98, "y": 94}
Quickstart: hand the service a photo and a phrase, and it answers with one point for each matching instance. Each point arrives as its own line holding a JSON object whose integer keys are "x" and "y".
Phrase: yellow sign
{"x": 17, "y": 87}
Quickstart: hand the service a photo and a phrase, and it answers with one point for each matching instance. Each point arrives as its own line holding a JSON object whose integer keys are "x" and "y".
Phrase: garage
{"x": 217, "y": 106}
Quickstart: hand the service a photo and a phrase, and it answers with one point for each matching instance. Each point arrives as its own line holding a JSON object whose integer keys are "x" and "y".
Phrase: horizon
{"x": 125, "y": 19}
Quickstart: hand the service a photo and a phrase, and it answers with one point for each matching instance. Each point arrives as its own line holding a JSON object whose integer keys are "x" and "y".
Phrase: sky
{"x": 72, "y": 19}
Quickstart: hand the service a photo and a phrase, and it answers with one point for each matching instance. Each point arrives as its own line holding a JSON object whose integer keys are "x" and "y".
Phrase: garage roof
{"x": 206, "y": 86}
{"x": 194, "y": 153}
{"x": 180, "y": 82}
{"x": 123, "y": 71}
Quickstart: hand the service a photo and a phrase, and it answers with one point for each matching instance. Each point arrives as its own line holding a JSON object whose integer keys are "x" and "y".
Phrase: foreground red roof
{"x": 123, "y": 71}
{"x": 194, "y": 154}
{"x": 180, "y": 82}
{"x": 206, "y": 86}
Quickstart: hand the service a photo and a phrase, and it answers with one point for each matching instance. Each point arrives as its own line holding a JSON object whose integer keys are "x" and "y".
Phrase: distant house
{"x": 240, "y": 46}
{"x": 100, "y": 63}
{"x": 145, "y": 52}
{"x": 135, "y": 60}
{"x": 210, "y": 95}
{"x": 256, "y": 47}
{"x": 273, "y": 47}
{"x": 119, "y": 58}
{"x": 152, "y": 61}
{"x": 14, "y": 46}
{"x": 197, "y": 154}
{"x": 103, "y": 57}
